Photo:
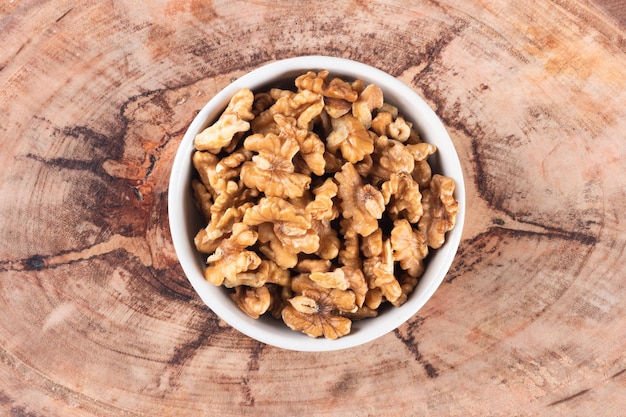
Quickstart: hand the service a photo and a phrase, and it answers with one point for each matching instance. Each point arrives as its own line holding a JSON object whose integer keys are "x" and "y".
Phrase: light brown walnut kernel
{"x": 304, "y": 106}
{"x": 310, "y": 146}
{"x": 317, "y": 83}
{"x": 273, "y": 274}
{"x": 205, "y": 164}
{"x": 350, "y": 137}
{"x": 253, "y": 301}
{"x": 372, "y": 245}
{"x": 291, "y": 224}
{"x": 312, "y": 151}
{"x": 222, "y": 177}
{"x": 356, "y": 283}
{"x": 232, "y": 257}
{"x": 316, "y": 324}
{"x": 203, "y": 198}
{"x": 381, "y": 143}
{"x": 323, "y": 207}
{"x": 362, "y": 203}
{"x": 373, "y": 298}
{"x": 233, "y": 120}
{"x": 338, "y": 88}
{"x": 402, "y": 197}
{"x": 390, "y": 124}
{"x": 204, "y": 244}
{"x": 336, "y": 107}
{"x": 349, "y": 255}
{"x": 218, "y": 226}
{"x": 380, "y": 123}
{"x": 331, "y": 279}
{"x": 273, "y": 248}
{"x": 422, "y": 174}
{"x": 358, "y": 85}
{"x": 271, "y": 171}
{"x": 229, "y": 166}
{"x": 228, "y": 197}
{"x": 312, "y": 81}
{"x": 268, "y": 272}
{"x": 262, "y": 102}
{"x": 305, "y": 119}
{"x": 409, "y": 247}
{"x": 421, "y": 151}
{"x": 379, "y": 273}
{"x": 278, "y": 93}
{"x": 440, "y": 210}
{"x": 304, "y": 304}
{"x": 399, "y": 129}
{"x": 313, "y": 265}
{"x": 329, "y": 243}
{"x": 394, "y": 158}
{"x": 363, "y": 312}
{"x": 370, "y": 99}
{"x": 315, "y": 310}
{"x": 286, "y": 219}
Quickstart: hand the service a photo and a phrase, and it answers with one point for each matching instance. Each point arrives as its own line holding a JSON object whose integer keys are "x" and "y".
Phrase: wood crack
{"x": 253, "y": 367}
{"x": 409, "y": 341}
{"x": 136, "y": 246}
{"x": 570, "y": 397}
{"x": 63, "y": 15}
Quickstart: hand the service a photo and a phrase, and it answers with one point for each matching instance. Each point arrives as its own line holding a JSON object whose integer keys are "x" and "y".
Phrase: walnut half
{"x": 316, "y": 310}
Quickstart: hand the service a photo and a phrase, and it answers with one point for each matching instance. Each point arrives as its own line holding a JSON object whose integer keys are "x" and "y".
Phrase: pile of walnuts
{"x": 320, "y": 204}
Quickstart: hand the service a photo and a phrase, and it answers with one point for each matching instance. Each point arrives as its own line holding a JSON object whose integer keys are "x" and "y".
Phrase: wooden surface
{"x": 97, "y": 318}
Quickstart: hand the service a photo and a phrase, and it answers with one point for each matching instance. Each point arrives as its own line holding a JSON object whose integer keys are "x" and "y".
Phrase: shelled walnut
{"x": 319, "y": 203}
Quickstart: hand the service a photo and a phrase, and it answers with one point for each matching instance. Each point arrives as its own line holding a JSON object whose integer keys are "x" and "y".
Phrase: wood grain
{"x": 615, "y": 8}
{"x": 97, "y": 316}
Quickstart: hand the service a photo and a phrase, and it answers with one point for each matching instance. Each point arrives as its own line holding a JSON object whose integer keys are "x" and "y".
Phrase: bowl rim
{"x": 426, "y": 122}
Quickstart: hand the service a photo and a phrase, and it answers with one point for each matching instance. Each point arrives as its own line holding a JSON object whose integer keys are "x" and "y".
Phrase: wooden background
{"x": 96, "y": 317}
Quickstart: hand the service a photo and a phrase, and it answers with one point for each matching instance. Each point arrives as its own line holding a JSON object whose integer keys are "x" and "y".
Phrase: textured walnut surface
{"x": 97, "y": 317}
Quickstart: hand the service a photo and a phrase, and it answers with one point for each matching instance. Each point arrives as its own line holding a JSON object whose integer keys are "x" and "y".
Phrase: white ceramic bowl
{"x": 185, "y": 221}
